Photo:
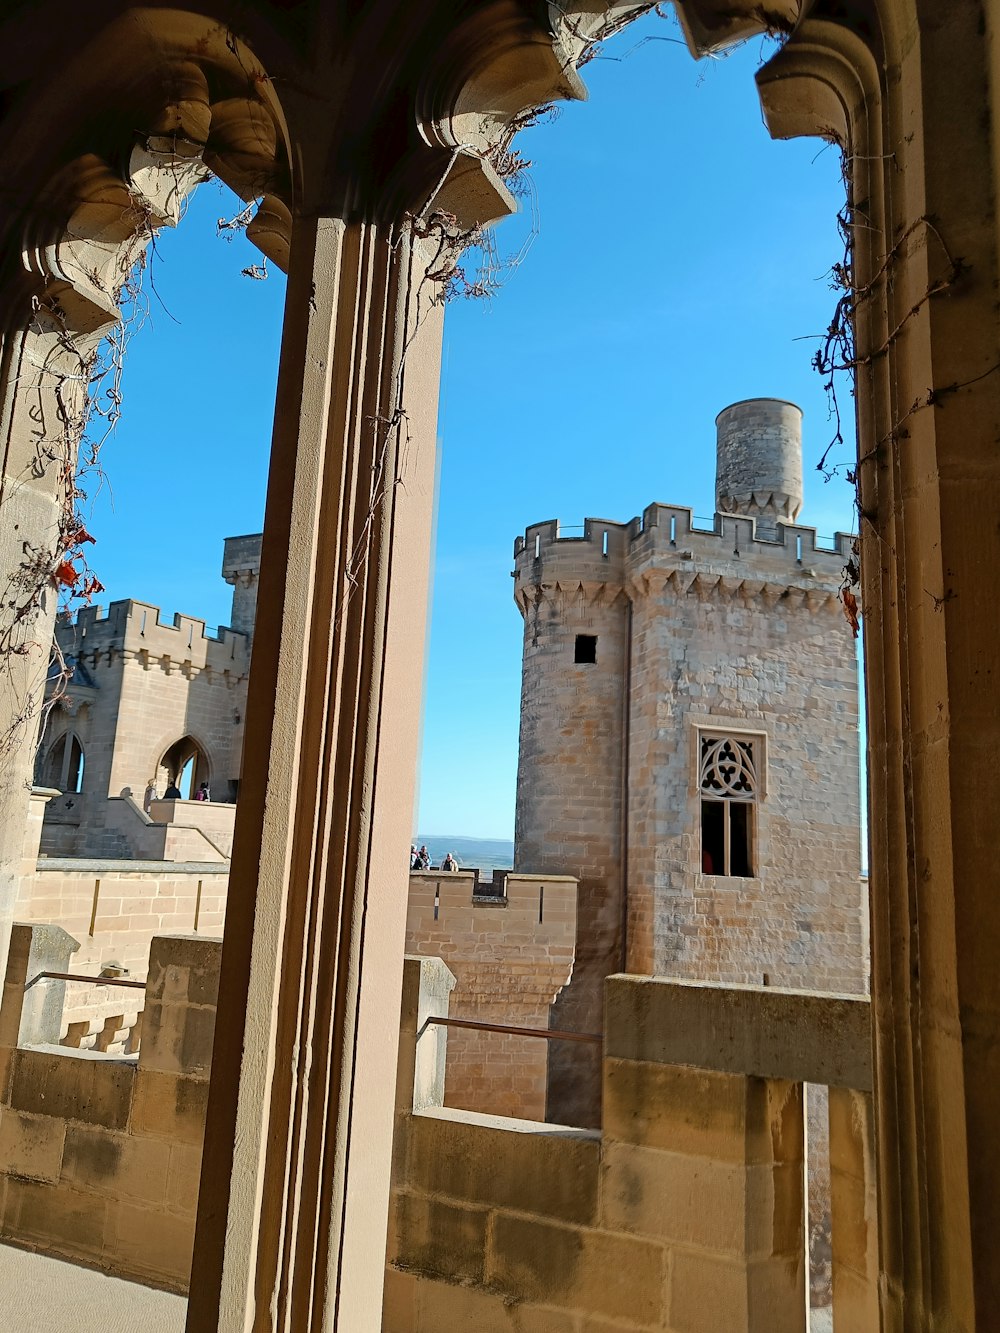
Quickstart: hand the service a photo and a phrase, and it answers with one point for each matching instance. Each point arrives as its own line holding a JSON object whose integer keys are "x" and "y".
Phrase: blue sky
{"x": 681, "y": 256}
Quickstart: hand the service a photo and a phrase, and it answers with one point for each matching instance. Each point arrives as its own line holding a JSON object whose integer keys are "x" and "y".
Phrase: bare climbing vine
{"x": 837, "y": 360}
{"x": 86, "y": 391}
{"x": 236, "y": 225}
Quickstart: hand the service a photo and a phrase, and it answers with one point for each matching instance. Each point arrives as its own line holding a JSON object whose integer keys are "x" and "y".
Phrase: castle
{"x": 689, "y": 739}
{"x": 147, "y": 705}
{"x": 687, "y": 798}
{"x": 364, "y": 128}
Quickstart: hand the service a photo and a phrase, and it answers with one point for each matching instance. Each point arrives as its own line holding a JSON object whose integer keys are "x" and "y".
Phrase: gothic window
{"x": 728, "y": 780}
{"x": 64, "y": 764}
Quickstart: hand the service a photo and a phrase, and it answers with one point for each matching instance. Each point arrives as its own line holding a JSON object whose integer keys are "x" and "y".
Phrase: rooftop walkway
{"x": 43, "y": 1295}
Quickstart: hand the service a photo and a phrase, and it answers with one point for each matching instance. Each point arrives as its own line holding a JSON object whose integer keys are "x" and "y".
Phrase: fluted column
{"x": 301, "y": 1100}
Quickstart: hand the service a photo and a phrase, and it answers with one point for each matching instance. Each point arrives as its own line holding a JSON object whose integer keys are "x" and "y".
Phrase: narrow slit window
{"x": 728, "y": 776}
{"x": 586, "y": 648}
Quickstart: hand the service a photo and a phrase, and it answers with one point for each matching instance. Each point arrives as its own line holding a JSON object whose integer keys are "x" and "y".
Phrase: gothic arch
{"x": 64, "y": 763}
{"x": 309, "y": 963}
{"x": 184, "y": 763}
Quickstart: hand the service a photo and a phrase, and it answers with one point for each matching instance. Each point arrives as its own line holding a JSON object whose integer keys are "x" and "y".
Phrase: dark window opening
{"x": 739, "y": 838}
{"x": 586, "y": 648}
{"x": 713, "y": 838}
{"x": 727, "y": 838}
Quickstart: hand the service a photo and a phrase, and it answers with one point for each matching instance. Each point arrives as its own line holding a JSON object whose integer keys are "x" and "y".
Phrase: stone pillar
{"x": 853, "y": 1211}
{"x": 306, "y": 1038}
{"x": 32, "y": 1009}
{"x": 423, "y": 1047}
{"x": 914, "y": 100}
{"x": 712, "y": 1164}
{"x": 37, "y": 436}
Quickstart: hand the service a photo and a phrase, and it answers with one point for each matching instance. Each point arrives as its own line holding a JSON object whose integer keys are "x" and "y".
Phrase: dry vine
{"x": 837, "y": 356}
{"x": 88, "y": 398}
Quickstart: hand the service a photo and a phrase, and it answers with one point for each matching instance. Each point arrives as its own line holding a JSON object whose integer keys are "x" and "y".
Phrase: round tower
{"x": 568, "y": 819}
{"x": 759, "y": 462}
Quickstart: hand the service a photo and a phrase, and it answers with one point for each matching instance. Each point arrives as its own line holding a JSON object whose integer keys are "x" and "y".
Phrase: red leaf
{"x": 850, "y": 609}
{"x": 66, "y": 573}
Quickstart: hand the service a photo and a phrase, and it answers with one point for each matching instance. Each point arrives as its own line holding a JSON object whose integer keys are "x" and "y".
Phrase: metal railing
{"x": 547, "y": 1034}
{"x": 94, "y": 981}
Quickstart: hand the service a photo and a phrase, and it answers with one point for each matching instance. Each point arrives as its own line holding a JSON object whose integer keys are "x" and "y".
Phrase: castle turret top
{"x": 241, "y": 568}
{"x": 759, "y": 462}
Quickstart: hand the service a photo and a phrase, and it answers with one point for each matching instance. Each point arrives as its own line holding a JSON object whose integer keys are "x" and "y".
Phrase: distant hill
{"x": 486, "y": 853}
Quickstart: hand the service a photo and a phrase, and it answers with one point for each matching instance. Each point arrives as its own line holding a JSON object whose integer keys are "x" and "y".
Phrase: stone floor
{"x": 43, "y": 1295}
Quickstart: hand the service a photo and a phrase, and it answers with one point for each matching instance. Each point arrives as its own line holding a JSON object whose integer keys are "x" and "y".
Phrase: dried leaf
{"x": 66, "y": 573}
{"x": 850, "y": 610}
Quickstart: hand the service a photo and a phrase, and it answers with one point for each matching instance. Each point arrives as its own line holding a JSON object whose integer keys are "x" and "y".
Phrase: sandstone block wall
{"x": 150, "y": 685}
{"x": 685, "y": 1214}
{"x": 511, "y": 954}
{"x": 510, "y": 957}
{"x": 571, "y": 757}
{"x": 115, "y": 909}
{"x": 101, "y": 1157}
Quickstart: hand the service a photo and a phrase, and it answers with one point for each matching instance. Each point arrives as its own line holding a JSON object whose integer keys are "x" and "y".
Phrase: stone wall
{"x": 510, "y": 957}
{"x": 141, "y": 685}
{"x": 511, "y": 950}
{"x": 571, "y": 757}
{"x": 685, "y": 1213}
{"x": 737, "y": 629}
{"x": 115, "y": 908}
{"x": 101, "y": 1156}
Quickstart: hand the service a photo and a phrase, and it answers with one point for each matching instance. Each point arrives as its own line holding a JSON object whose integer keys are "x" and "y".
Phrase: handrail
{"x": 548, "y": 1034}
{"x": 95, "y": 981}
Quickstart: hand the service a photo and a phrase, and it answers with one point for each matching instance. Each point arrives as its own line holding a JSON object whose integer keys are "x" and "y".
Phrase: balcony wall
{"x": 101, "y": 1155}
{"x": 685, "y": 1212}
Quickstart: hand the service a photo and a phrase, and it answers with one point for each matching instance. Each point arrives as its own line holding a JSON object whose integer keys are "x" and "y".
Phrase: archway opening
{"x": 682, "y": 601}
{"x": 183, "y": 769}
{"x": 64, "y": 764}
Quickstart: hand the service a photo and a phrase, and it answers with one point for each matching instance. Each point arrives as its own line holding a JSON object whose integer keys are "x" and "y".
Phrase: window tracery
{"x": 729, "y": 771}
{"x": 728, "y": 767}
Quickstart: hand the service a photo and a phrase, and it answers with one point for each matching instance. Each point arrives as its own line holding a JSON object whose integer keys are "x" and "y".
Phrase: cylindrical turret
{"x": 759, "y": 462}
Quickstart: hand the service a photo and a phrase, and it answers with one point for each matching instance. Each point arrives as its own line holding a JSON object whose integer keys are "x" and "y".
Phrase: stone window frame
{"x": 722, "y": 727}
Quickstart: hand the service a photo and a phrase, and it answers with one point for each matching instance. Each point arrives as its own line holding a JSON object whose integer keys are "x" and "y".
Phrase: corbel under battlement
{"x": 666, "y": 539}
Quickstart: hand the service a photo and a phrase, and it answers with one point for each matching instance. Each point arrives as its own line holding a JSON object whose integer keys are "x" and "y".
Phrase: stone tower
{"x": 241, "y": 569}
{"x": 689, "y": 739}
{"x": 571, "y": 755}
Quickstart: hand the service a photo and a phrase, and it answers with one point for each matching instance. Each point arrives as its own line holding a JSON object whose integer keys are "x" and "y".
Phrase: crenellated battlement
{"x": 667, "y": 537}
{"x": 135, "y": 629}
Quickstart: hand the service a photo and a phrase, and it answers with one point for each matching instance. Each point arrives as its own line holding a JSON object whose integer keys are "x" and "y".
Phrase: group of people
{"x": 421, "y": 860}
{"x": 172, "y": 793}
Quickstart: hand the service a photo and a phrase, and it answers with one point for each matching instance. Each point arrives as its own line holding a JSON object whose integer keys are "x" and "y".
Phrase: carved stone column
{"x": 301, "y": 1099}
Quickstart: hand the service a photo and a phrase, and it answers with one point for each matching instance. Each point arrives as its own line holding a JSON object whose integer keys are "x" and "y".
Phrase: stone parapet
{"x": 684, "y": 1212}
{"x": 510, "y": 956}
{"x": 133, "y": 630}
{"x": 665, "y": 537}
{"x": 101, "y": 1154}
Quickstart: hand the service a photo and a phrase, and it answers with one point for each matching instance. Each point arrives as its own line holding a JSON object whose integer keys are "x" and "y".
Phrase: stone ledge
{"x": 756, "y": 1031}
{"x": 78, "y": 865}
